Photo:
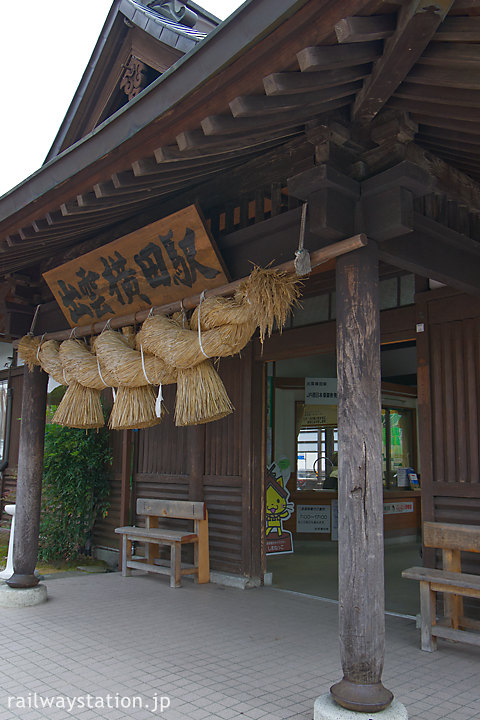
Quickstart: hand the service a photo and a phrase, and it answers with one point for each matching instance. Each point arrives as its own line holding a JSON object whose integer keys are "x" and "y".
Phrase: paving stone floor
{"x": 213, "y": 652}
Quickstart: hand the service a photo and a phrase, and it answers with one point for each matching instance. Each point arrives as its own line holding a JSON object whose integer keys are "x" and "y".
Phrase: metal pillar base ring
{"x": 369, "y": 698}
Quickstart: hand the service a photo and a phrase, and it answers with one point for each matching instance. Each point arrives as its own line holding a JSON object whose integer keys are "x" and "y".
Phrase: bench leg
{"x": 427, "y": 609}
{"x": 175, "y": 562}
{"x": 126, "y": 555}
{"x": 201, "y": 553}
{"x": 152, "y": 550}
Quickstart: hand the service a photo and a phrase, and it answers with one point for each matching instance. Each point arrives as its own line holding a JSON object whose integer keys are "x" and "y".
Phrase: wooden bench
{"x": 452, "y": 540}
{"x": 153, "y": 536}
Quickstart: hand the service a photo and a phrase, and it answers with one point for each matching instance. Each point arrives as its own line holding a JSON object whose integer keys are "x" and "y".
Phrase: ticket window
{"x": 317, "y": 450}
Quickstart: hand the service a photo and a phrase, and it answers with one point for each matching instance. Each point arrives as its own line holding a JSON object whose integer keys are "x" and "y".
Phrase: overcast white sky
{"x": 46, "y": 46}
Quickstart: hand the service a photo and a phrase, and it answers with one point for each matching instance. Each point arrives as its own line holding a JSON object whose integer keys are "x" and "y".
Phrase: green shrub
{"x": 75, "y": 490}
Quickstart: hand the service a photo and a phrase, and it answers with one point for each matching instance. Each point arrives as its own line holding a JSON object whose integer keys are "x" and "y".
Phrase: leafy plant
{"x": 75, "y": 489}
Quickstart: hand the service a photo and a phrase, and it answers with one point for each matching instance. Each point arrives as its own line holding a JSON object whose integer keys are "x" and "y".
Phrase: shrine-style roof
{"x": 271, "y": 76}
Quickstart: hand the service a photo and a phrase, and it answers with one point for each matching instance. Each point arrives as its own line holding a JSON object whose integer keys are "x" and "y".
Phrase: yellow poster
{"x": 319, "y": 415}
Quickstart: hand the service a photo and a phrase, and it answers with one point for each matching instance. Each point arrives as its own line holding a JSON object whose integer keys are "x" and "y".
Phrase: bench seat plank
{"x": 444, "y": 578}
{"x": 156, "y": 534}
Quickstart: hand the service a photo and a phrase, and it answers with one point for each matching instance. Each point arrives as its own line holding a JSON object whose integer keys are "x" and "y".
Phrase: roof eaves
{"x": 243, "y": 29}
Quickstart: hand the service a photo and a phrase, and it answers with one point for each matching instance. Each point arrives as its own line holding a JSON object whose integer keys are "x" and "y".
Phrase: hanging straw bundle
{"x": 49, "y": 357}
{"x": 271, "y": 295}
{"x": 28, "y": 350}
{"x": 80, "y": 407}
{"x": 185, "y": 348}
{"x": 201, "y": 396}
{"x": 136, "y": 404}
{"x": 134, "y": 408}
{"x": 164, "y": 352}
{"x": 125, "y": 364}
{"x": 82, "y": 364}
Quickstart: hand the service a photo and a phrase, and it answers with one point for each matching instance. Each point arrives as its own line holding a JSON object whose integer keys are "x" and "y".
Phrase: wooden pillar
{"x": 29, "y": 480}
{"x": 196, "y": 453}
{"x": 360, "y": 488}
{"x": 125, "y": 492}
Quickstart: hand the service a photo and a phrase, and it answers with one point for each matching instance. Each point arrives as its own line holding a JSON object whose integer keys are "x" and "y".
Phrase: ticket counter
{"x": 315, "y": 514}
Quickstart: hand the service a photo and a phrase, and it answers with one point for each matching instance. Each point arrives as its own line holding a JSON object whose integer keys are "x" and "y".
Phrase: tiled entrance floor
{"x": 214, "y": 652}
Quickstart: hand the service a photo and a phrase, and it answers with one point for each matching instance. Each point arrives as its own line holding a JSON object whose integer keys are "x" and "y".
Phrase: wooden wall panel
{"x": 224, "y": 504}
{"x": 162, "y": 449}
{"x": 104, "y": 530}
{"x": 224, "y": 439}
{"x": 211, "y": 463}
{"x": 454, "y": 367}
{"x": 449, "y": 414}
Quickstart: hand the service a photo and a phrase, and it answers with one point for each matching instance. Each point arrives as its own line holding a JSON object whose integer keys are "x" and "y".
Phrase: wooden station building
{"x": 366, "y": 110}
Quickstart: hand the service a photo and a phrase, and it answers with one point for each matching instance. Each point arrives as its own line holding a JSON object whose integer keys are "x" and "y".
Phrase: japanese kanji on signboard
{"x": 160, "y": 263}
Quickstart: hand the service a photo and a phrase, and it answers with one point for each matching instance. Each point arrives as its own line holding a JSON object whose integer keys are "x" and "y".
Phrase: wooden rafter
{"x": 362, "y": 29}
{"x": 263, "y": 105}
{"x": 417, "y": 24}
{"x": 293, "y": 82}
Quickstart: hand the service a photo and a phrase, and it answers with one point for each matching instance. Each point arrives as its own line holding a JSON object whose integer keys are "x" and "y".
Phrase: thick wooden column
{"x": 360, "y": 488}
{"x": 29, "y": 480}
{"x": 196, "y": 454}
{"x": 125, "y": 491}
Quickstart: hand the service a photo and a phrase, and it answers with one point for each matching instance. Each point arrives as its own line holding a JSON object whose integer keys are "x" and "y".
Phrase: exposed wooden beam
{"x": 441, "y": 96}
{"x": 431, "y": 109}
{"x": 454, "y": 183}
{"x": 148, "y": 167}
{"x": 434, "y": 251}
{"x": 295, "y": 82}
{"x": 197, "y": 141}
{"x": 459, "y": 29}
{"x": 416, "y": 26}
{"x": 450, "y": 135}
{"x": 258, "y": 105}
{"x": 318, "y": 257}
{"x": 211, "y": 152}
{"x": 363, "y": 29}
{"x": 328, "y": 57}
{"x": 471, "y": 128}
{"x": 455, "y": 77}
{"x": 454, "y": 144}
{"x": 446, "y": 55}
{"x": 456, "y": 150}
{"x": 218, "y": 125}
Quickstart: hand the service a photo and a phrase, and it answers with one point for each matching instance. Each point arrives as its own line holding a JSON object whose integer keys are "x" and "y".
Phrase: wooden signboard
{"x": 168, "y": 260}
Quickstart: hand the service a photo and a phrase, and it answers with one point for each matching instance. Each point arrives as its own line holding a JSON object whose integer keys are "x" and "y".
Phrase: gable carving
{"x": 134, "y": 78}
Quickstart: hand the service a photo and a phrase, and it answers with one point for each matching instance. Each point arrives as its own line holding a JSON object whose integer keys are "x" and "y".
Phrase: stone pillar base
{"x": 18, "y": 598}
{"x": 327, "y": 709}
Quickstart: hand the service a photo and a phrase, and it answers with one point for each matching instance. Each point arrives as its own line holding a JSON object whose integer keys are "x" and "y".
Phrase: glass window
{"x": 317, "y": 450}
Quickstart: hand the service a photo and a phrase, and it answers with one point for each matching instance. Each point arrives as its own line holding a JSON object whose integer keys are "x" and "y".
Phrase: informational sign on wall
{"x": 313, "y": 518}
{"x": 319, "y": 415}
{"x": 395, "y": 508}
{"x": 320, "y": 391}
{"x": 160, "y": 263}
